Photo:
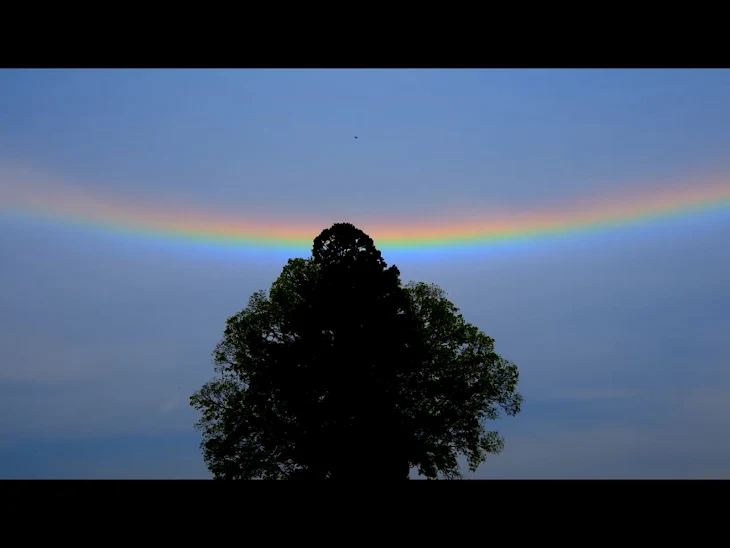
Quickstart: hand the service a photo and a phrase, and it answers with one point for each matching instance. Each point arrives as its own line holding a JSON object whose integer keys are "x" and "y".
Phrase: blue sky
{"x": 621, "y": 337}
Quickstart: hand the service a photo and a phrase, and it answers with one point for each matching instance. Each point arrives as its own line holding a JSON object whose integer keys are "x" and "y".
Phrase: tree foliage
{"x": 341, "y": 371}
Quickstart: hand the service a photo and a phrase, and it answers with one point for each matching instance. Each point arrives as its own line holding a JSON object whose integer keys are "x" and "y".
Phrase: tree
{"x": 341, "y": 371}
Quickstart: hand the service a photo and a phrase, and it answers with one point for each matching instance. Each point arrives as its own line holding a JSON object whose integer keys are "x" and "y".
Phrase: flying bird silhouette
{"x": 355, "y": 136}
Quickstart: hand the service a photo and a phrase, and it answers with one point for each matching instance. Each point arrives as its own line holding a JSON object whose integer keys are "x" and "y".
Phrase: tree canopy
{"x": 341, "y": 371}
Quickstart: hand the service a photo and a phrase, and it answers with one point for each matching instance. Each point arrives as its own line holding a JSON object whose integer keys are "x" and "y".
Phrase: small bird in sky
{"x": 355, "y": 136}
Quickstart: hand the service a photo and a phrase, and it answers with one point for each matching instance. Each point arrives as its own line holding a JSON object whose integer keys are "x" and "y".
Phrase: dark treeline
{"x": 341, "y": 371}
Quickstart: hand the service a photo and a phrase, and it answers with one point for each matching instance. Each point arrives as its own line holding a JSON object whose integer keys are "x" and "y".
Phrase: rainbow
{"x": 141, "y": 217}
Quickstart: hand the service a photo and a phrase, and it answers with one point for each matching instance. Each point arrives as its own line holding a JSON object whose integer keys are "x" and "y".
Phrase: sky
{"x": 110, "y": 312}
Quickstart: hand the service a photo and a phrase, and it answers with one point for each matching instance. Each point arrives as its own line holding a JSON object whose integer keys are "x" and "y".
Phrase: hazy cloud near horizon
{"x": 620, "y": 336}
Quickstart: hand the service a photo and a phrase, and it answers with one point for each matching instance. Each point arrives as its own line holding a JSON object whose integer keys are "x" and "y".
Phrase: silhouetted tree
{"x": 342, "y": 372}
